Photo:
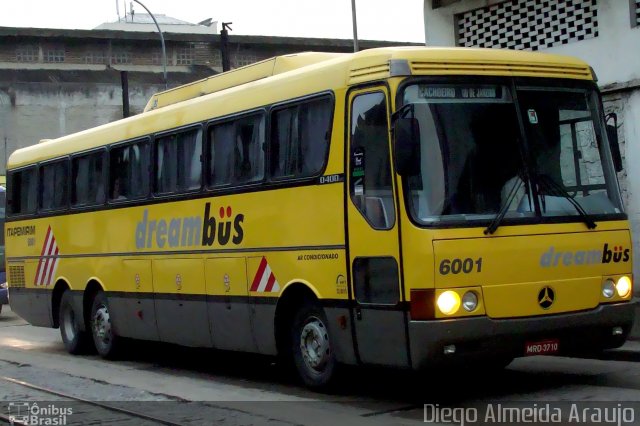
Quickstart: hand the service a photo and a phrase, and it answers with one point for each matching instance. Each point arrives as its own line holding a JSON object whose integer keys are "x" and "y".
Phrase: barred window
{"x": 94, "y": 58}
{"x": 635, "y": 13}
{"x": 53, "y": 55}
{"x": 243, "y": 59}
{"x": 120, "y": 58}
{"x": 185, "y": 55}
{"x": 156, "y": 57}
{"x": 27, "y": 54}
{"x": 528, "y": 24}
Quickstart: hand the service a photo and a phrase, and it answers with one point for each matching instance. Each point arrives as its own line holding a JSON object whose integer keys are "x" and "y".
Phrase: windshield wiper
{"x": 495, "y": 223}
{"x": 556, "y": 189}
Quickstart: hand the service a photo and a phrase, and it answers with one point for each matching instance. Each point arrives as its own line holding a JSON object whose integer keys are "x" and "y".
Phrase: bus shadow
{"x": 442, "y": 386}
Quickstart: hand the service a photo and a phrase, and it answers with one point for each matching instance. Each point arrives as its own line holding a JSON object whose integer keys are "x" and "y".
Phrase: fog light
{"x": 450, "y": 349}
{"x": 617, "y": 331}
{"x": 470, "y": 301}
{"x": 624, "y": 286}
{"x": 449, "y": 302}
{"x": 608, "y": 288}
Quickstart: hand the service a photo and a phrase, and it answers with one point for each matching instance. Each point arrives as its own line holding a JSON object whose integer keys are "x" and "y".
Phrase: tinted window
{"x": 54, "y": 193}
{"x": 23, "y": 191}
{"x": 300, "y": 139}
{"x": 179, "y": 162}
{"x": 376, "y": 280}
{"x": 87, "y": 176}
{"x": 129, "y": 171}
{"x": 236, "y": 153}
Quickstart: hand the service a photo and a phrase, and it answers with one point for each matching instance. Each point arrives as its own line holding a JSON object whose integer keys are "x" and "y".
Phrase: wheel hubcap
{"x": 314, "y": 344}
{"x": 102, "y": 325}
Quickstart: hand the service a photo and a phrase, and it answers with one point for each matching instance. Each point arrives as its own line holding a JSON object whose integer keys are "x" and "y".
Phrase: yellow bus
{"x": 402, "y": 207}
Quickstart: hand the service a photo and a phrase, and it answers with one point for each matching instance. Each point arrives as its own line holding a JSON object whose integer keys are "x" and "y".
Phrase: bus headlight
{"x": 448, "y": 302}
{"x": 470, "y": 301}
{"x": 624, "y": 286}
{"x": 608, "y": 288}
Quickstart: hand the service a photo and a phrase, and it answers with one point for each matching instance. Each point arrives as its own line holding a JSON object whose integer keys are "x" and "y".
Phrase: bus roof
{"x": 291, "y": 76}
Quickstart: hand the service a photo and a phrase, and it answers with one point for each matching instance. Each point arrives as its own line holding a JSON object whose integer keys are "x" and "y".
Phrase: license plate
{"x": 544, "y": 347}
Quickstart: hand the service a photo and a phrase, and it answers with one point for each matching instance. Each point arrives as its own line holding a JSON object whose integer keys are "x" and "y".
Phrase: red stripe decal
{"x": 258, "y": 277}
{"x": 52, "y": 267}
{"x": 38, "y": 277}
{"x": 272, "y": 279}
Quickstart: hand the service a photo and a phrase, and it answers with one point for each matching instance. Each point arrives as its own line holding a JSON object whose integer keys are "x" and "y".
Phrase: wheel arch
{"x": 291, "y": 298}
{"x": 59, "y": 288}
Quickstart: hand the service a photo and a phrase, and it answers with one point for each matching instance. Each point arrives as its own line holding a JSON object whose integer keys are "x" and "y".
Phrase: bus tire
{"x": 107, "y": 343}
{"x": 75, "y": 340}
{"x": 313, "y": 356}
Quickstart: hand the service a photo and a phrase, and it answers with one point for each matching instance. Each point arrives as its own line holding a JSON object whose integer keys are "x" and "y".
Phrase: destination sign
{"x": 460, "y": 92}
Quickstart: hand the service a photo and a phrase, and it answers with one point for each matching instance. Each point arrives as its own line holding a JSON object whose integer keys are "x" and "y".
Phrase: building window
{"x": 53, "y": 55}
{"x": 528, "y": 24}
{"x": 185, "y": 55}
{"x": 94, "y": 58}
{"x": 120, "y": 58}
{"x": 156, "y": 58}
{"x": 27, "y": 54}
{"x": 635, "y": 13}
{"x": 243, "y": 59}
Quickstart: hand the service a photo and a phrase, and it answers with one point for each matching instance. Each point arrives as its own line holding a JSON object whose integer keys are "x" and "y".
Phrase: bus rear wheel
{"x": 75, "y": 340}
{"x": 313, "y": 355}
{"x": 104, "y": 338}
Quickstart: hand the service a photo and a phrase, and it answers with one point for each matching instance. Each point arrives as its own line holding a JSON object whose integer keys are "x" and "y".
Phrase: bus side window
{"x": 54, "y": 185}
{"x": 236, "y": 151}
{"x": 23, "y": 194}
{"x": 300, "y": 139}
{"x": 179, "y": 162}
{"x": 129, "y": 171}
{"x": 87, "y": 179}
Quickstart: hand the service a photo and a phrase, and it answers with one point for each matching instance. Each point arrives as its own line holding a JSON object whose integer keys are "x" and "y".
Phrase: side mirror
{"x": 407, "y": 146}
{"x": 614, "y": 146}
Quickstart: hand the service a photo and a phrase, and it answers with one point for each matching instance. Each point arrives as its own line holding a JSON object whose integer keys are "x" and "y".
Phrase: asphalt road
{"x": 206, "y": 387}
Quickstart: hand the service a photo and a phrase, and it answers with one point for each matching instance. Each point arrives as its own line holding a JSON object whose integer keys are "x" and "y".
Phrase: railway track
{"x": 116, "y": 415}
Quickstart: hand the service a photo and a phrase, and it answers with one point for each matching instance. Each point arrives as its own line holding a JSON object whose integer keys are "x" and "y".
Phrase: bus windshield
{"x": 3, "y": 198}
{"x": 477, "y": 138}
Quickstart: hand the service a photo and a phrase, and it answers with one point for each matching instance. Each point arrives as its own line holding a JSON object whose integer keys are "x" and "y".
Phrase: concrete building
{"x": 604, "y": 33}
{"x": 54, "y": 82}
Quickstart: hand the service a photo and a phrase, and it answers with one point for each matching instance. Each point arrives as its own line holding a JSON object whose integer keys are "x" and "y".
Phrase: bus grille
{"x": 493, "y": 68}
{"x": 16, "y": 276}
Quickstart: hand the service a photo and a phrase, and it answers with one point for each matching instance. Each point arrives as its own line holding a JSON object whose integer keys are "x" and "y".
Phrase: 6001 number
{"x": 456, "y": 266}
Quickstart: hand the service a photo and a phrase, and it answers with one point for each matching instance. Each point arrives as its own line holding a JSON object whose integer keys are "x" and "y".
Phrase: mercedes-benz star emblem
{"x": 546, "y": 297}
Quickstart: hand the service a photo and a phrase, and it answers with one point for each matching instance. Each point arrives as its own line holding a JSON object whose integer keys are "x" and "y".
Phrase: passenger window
{"x": 179, "y": 162}
{"x": 53, "y": 185}
{"x": 370, "y": 168}
{"x": 23, "y": 192}
{"x": 236, "y": 152}
{"x": 129, "y": 171}
{"x": 300, "y": 139}
{"x": 87, "y": 177}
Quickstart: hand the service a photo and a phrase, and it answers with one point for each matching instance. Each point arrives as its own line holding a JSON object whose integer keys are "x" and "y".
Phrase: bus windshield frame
{"x": 533, "y": 147}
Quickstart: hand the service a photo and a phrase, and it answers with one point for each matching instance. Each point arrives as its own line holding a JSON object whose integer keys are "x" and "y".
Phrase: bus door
{"x": 373, "y": 235}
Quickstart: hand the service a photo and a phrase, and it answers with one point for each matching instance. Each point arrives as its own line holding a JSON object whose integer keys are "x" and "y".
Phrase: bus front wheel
{"x": 104, "y": 338}
{"x": 75, "y": 340}
{"x": 313, "y": 355}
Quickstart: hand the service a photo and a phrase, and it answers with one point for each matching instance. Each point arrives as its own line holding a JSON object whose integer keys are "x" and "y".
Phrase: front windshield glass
{"x": 473, "y": 150}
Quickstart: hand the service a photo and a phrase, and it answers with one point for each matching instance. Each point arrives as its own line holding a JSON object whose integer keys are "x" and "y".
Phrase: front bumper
{"x": 484, "y": 337}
